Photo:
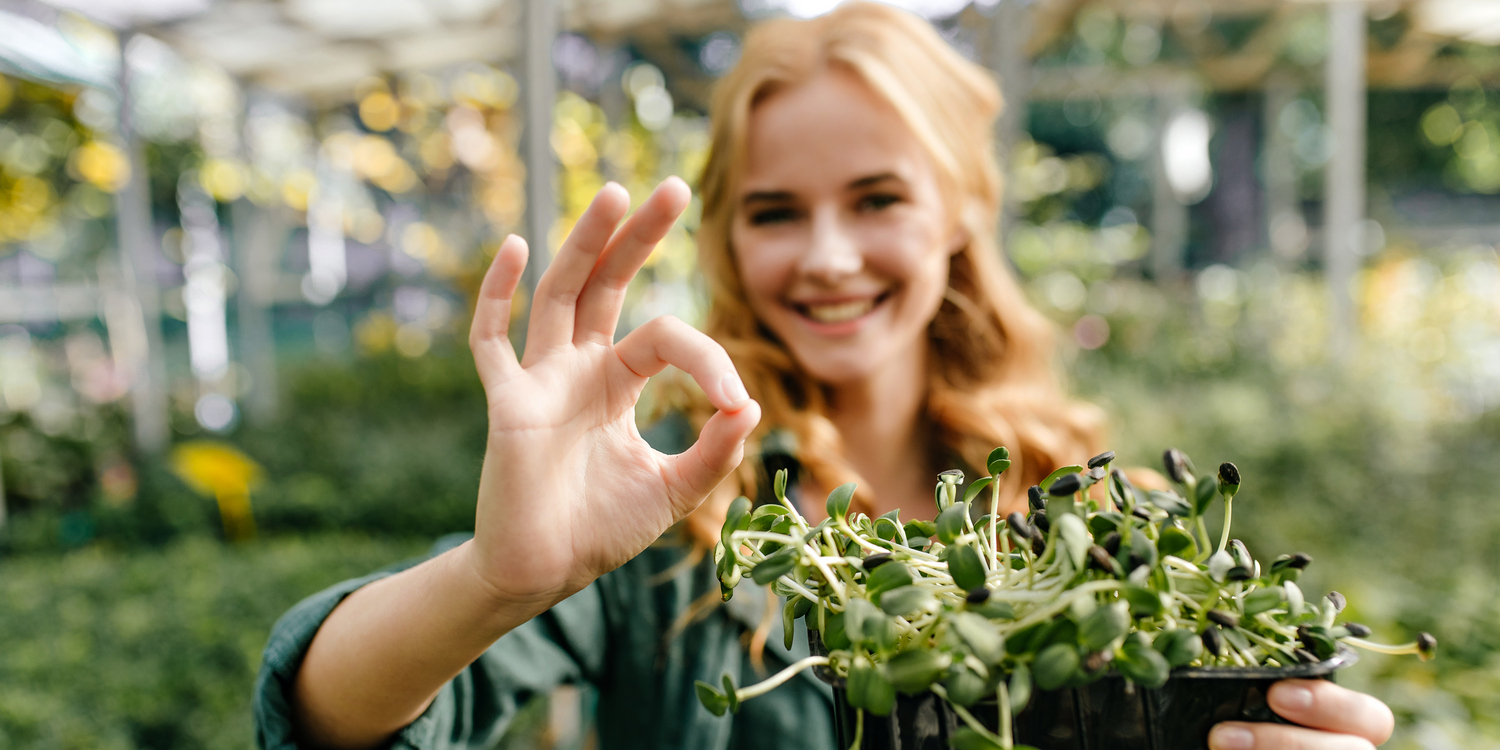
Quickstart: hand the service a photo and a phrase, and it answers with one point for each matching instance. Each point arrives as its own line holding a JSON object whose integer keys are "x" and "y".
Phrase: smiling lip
{"x": 837, "y": 317}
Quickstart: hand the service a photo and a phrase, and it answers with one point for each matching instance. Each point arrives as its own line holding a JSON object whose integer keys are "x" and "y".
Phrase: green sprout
{"x": 1078, "y": 585}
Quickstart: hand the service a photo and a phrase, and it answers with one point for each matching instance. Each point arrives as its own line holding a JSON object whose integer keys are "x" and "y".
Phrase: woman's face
{"x": 841, "y": 233}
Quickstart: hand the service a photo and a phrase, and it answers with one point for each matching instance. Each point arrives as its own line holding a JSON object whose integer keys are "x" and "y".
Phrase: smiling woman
{"x": 850, "y": 206}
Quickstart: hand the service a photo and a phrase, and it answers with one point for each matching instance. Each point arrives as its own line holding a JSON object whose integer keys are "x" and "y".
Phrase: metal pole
{"x": 540, "y": 92}
{"x": 1344, "y": 179}
{"x": 1009, "y": 29}
{"x": 136, "y": 239}
{"x": 1169, "y": 218}
{"x": 1286, "y": 230}
{"x": 2, "y": 491}
{"x": 259, "y": 235}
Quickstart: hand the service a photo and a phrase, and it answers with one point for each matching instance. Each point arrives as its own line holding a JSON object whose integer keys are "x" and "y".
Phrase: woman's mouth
{"x": 827, "y": 315}
{"x": 840, "y": 312}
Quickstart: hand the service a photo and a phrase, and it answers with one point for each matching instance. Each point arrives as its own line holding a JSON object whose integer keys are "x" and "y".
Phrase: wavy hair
{"x": 992, "y": 376}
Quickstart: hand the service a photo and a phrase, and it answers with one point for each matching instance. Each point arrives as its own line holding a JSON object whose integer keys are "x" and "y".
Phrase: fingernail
{"x": 733, "y": 389}
{"x": 1231, "y": 738}
{"x": 1294, "y": 698}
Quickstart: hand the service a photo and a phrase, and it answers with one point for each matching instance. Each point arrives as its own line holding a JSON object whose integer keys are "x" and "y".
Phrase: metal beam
{"x": 259, "y": 236}
{"x": 47, "y": 303}
{"x": 1344, "y": 177}
{"x": 137, "y": 240}
{"x": 1009, "y": 28}
{"x": 1169, "y": 217}
{"x": 539, "y": 92}
{"x": 1286, "y": 229}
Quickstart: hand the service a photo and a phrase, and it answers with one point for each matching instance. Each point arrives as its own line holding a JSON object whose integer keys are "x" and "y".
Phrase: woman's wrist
{"x": 495, "y": 609}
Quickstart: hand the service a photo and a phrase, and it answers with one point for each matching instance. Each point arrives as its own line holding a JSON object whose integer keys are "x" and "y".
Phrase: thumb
{"x": 694, "y": 473}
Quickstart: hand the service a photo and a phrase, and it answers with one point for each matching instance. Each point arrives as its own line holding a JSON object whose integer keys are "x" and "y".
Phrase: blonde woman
{"x": 862, "y": 328}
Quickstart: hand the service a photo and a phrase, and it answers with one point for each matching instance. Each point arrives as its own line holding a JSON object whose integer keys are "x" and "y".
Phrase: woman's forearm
{"x": 388, "y": 648}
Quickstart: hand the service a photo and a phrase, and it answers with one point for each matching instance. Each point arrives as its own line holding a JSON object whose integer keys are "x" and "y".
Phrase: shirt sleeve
{"x": 563, "y": 645}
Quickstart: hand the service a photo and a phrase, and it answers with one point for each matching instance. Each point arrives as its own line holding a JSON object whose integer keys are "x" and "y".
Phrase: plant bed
{"x": 1106, "y": 617}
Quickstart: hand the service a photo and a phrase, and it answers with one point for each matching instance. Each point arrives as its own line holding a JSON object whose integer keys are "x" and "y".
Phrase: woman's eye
{"x": 772, "y": 216}
{"x": 877, "y": 201}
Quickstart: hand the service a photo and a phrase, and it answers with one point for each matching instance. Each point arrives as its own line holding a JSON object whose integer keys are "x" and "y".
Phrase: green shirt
{"x": 615, "y": 636}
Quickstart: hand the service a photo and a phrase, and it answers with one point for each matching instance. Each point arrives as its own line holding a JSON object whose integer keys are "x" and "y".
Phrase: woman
{"x": 858, "y": 300}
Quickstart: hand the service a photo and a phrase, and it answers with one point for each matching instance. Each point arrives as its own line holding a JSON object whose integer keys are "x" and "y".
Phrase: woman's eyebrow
{"x": 767, "y": 196}
{"x": 874, "y": 179}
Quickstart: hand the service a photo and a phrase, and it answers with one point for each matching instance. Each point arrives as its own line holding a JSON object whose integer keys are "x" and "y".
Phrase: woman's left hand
{"x": 1332, "y": 718}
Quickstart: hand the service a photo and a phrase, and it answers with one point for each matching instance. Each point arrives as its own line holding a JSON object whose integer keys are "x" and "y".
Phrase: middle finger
{"x": 602, "y": 298}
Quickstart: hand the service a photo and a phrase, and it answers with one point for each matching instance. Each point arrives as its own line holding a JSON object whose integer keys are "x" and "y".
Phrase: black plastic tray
{"x": 1110, "y": 714}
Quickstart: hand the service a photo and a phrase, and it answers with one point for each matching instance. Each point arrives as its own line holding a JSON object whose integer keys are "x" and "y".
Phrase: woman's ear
{"x": 959, "y": 240}
{"x": 972, "y": 213}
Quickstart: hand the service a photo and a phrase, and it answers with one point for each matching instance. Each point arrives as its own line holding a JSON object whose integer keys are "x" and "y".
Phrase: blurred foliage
{"x": 55, "y": 176}
{"x": 1378, "y": 462}
{"x": 104, "y": 648}
{"x": 1465, "y": 129}
{"x": 388, "y": 444}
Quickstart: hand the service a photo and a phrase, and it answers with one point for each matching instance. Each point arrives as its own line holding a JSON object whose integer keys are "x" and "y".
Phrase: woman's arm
{"x": 389, "y": 647}
{"x": 1336, "y": 718}
{"x": 569, "y": 491}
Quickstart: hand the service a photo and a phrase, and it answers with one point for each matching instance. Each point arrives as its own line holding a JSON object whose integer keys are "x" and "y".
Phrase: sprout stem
{"x": 994, "y": 522}
{"x": 1263, "y": 641}
{"x": 1382, "y": 648}
{"x": 833, "y": 580}
{"x": 1062, "y": 603}
{"x": 1002, "y": 698}
{"x": 1203, "y": 537}
{"x": 764, "y": 536}
{"x": 843, "y": 524}
{"x": 1228, "y": 514}
{"x": 775, "y": 680}
{"x": 969, "y": 718}
{"x": 1268, "y": 623}
{"x": 859, "y": 729}
{"x": 800, "y": 589}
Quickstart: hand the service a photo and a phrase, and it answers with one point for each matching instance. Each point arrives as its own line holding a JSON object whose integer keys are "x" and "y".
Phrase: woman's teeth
{"x": 841, "y": 312}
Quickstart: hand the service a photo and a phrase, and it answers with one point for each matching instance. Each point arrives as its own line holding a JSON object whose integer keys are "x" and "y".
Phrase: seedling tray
{"x": 1110, "y": 714}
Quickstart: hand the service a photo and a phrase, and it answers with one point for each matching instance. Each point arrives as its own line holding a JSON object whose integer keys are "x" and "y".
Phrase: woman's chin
{"x": 837, "y": 371}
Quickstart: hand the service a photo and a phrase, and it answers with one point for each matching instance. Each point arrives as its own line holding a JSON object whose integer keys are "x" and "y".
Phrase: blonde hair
{"x": 991, "y": 378}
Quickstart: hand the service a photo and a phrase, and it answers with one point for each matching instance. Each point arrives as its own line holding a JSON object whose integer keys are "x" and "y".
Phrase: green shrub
{"x": 154, "y": 648}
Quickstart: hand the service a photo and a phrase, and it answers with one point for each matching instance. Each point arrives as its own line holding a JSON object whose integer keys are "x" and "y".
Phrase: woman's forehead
{"x": 832, "y": 129}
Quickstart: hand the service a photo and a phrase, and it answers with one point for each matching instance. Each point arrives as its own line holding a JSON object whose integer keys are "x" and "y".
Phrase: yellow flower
{"x": 218, "y": 469}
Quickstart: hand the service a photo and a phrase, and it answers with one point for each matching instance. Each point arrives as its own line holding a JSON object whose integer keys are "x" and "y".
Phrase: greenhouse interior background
{"x": 240, "y": 242}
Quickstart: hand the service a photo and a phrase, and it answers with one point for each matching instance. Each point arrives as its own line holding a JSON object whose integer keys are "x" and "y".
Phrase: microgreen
{"x": 1084, "y": 582}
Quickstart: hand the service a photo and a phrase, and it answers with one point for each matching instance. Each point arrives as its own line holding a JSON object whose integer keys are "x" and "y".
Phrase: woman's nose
{"x": 833, "y": 253}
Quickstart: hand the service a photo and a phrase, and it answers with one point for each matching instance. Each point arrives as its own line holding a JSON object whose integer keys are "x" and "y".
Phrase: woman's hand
{"x": 569, "y": 490}
{"x": 1332, "y": 718}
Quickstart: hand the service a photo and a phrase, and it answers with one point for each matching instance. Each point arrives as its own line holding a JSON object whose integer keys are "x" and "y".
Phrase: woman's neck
{"x": 886, "y": 436}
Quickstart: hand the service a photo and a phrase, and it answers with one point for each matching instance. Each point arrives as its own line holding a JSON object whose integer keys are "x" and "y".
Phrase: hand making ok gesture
{"x": 569, "y": 490}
